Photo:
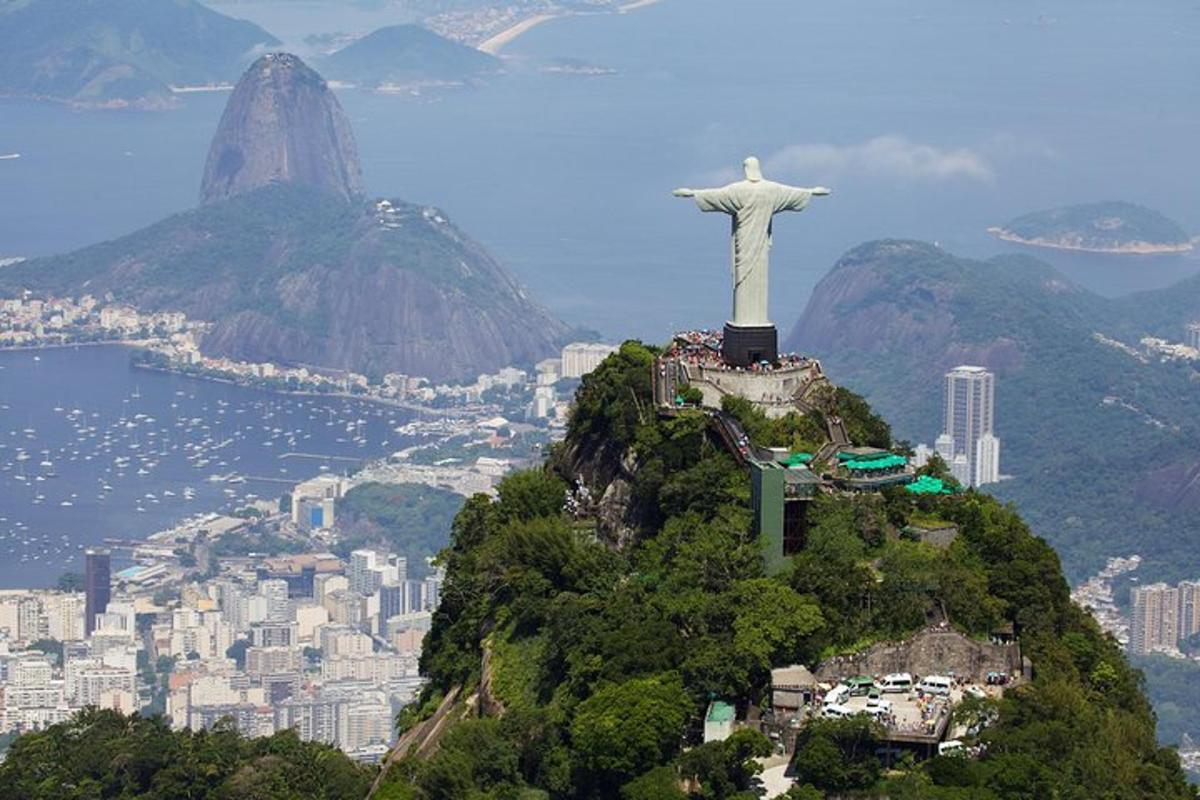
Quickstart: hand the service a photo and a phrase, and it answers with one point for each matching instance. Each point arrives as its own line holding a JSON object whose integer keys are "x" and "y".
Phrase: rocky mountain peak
{"x": 282, "y": 124}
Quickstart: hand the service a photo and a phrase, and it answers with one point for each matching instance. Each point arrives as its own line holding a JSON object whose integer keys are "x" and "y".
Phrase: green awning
{"x": 927, "y": 484}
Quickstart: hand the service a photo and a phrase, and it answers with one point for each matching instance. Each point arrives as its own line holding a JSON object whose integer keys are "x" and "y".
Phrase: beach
{"x": 495, "y": 44}
{"x": 1129, "y": 248}
{"x": 635, "y": 5}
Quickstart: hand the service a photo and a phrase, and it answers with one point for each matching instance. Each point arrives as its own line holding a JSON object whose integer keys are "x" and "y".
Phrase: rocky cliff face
{"x": 291, "y": 264}
{"x": 282, "y": 125}
{"x": 289, "y": 274}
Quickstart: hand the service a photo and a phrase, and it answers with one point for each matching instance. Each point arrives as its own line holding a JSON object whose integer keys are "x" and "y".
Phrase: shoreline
{"x": 498, "y": 41}
{"x": 1132, "y": 249}
{"x": 139, "y": 344}
{"x": 17, "y": 348}
{"x": 384, "y": 401}
{"x": 635, "y": 5}
{"x": 494, "y": 44}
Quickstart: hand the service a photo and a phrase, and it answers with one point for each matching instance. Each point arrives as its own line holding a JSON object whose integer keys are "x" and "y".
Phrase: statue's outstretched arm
{"x": 684, "y": 192}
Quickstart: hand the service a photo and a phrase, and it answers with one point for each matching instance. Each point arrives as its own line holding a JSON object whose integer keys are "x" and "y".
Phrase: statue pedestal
{"x": 746, "y": 345}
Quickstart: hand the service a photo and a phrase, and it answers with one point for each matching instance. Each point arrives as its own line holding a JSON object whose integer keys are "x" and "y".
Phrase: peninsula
{"x": 1113, "y": 227}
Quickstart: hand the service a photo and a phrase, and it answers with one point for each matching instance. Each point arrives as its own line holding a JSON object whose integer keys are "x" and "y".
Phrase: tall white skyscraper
{"x": 1155, "y": 620}
{"x": 1189, "y": 608}
{"x": 276, "y": 593}
{"x": 968, "y": 443}
{"x": 580, "y": 358}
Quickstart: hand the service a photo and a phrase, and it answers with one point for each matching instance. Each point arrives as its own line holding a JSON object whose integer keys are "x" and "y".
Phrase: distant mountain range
{"x": 1102, "y": 437}
{"x": 99, "y": 53}
{"x": 402, "y": 55}
{"x": 134, "y": 53}
{"x": 292, "y": 264}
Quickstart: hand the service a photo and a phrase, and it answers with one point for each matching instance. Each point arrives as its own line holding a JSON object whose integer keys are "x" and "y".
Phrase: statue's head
{"x": 753, "y": 170}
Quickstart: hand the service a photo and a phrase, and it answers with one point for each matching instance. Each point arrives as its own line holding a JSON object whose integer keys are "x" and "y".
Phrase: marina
{"x": 93, "y": 450}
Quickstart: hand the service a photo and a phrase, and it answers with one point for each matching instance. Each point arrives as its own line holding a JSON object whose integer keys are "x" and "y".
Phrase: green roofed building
{"x": 718, "y": 722}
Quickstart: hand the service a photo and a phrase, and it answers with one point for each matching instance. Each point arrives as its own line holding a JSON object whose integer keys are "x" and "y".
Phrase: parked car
{"x": 936, "y": 684}
{"x": 883, "y": 707}
{"x": 951, "y": 747}
{"x": 898, "y": 682}
{"x": 837, "y": 711}
{"x": 837, "y": 695}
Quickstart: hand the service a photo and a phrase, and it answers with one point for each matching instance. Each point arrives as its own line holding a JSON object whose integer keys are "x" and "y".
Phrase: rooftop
{"x": 720, "y": 711}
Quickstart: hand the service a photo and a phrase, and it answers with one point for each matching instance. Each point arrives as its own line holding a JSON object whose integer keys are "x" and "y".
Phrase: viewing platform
{"x": 694, "y": 358}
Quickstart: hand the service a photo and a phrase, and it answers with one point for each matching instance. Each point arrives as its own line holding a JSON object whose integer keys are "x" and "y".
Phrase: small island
{"x": 1113, "y": 227}
{"x": 407, "y": 56}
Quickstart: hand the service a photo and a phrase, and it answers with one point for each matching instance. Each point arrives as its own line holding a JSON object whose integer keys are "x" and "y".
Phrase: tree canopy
{"x": 104, "y": 755}
{"x": 598, "y": 657}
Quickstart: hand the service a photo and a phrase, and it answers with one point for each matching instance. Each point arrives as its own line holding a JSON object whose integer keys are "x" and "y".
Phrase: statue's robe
{"x": 751, "y": 204}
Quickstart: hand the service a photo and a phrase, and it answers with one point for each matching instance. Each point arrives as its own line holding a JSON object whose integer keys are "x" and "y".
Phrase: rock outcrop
{"x": 281, "y": 125}
{"x": 289, "y": 274}
{"x": 291, "y": 264}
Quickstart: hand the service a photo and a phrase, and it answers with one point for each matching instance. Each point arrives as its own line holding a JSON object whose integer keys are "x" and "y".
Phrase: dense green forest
{"x": 601, "y": 658}
{"x": 104, "y": 755}
{"x": 408, "y": 519}
{"x": 1171, "y": 684}
{"x": 1099, "y": 443}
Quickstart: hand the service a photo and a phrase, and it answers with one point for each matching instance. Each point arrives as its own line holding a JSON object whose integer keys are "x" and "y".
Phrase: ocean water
{"x": 92, "y": 449}
{"x": 931, "y": 120}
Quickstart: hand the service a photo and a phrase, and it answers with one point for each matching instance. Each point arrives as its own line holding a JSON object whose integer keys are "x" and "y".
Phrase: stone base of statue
{"x": 749, "y": 344}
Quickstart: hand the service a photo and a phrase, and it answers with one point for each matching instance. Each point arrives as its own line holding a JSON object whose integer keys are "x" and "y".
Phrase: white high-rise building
{"x": 369, "y": 570}
{"x": 276, "y": 593}
{"x": 986, "y": 466}
{"x": 968, "y": 442}
{"x": 362, "y": 572}
{"x": 580, "y": 358}
{"x": 1155, "y": 619}
{"x": 1189, "y": 608}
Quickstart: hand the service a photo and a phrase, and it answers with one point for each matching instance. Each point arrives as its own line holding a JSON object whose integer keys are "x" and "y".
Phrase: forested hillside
{"x": 1100, "y": 439}
{"x": 567, "y": 665}
{"x": 104, "y": 755}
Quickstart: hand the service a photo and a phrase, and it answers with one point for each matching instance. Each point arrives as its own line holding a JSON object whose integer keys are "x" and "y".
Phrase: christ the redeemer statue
{"x": 751, "y": 203}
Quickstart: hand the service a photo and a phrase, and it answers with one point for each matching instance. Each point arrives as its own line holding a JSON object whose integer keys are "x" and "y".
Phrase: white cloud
{"x": 886, "y": 156}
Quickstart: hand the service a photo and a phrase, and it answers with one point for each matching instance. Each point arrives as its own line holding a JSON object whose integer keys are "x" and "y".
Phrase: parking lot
{"x": 907, "y": 713}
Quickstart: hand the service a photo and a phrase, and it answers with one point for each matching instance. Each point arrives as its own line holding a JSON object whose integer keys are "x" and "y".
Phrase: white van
{"x": 936, "y": 684}
{"x": 837, "y": 711}
{"x": 881, "y": 710}
{"x": 899, "y": 682}
{"x": 951, "y": 747}
{"x": 837, "y": 695}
